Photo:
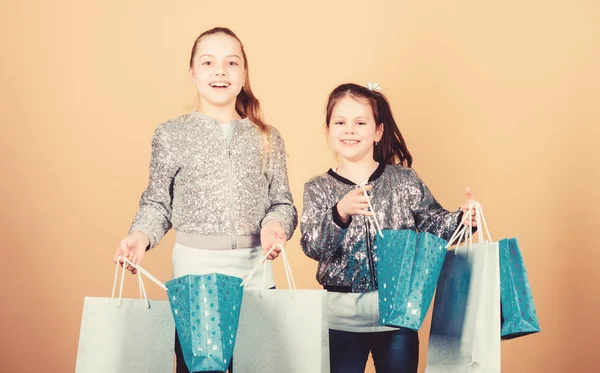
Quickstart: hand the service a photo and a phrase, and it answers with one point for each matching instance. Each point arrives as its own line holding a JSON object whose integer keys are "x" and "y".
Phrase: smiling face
{"x": 352, "y": 130}
{"x": 218, "y": 70}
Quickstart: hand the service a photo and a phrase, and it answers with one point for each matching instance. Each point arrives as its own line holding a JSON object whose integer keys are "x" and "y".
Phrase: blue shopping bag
{"x": 206, "y": 310}
{"x": 519, "y": 317}
{"x": 408, "y": 268}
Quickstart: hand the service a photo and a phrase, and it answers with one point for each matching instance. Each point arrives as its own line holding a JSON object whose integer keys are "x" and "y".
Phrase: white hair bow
{"x": 373, "y": 86}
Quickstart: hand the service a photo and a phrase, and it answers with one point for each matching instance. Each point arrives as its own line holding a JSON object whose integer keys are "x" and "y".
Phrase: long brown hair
{"x": 392, "y": 147}
{"x": 246, "y": 104}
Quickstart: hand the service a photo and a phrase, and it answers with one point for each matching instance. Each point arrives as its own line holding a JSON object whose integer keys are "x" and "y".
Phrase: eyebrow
{"x": 339, "y": 117}
{"x": 228, "y": 56}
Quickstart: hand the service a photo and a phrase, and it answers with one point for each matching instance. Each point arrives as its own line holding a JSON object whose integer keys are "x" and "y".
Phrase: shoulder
{"x": 318, "y": 182}
{"x": 173, "y": 125}
{"x": 400, "y": 170}
{"x": 403, "y": 175}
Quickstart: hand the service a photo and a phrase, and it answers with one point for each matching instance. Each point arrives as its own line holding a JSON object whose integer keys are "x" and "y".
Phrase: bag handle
{"x": 286, "y": 264}
{"x": 141, "y": 286}
{"x": 463, "y": 231}
{"x": 374, "y": 217}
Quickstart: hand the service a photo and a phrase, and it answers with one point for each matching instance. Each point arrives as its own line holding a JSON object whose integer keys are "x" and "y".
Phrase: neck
{"x": 222, "y": 114}
{"x": 357, "y": 171}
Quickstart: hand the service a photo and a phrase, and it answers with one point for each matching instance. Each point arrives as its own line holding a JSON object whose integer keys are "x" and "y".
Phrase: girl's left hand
{"x": 272, "y": 233}
{"x": 469, "y": 215}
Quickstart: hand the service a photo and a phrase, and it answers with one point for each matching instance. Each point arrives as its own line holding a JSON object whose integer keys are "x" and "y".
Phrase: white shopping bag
{"x": 282, "y": 330}
{"x": 126, "y": 335}
{"x": 465, "y": 328}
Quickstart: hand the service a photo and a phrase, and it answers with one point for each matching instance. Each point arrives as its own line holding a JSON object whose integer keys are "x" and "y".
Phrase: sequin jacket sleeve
{"x": 154, "y": 214}
{"x": 428, "y": 213}
{"x": 282, "y": 207}
{"x": 348, "y": 256}
{"x": 321, "y": 236}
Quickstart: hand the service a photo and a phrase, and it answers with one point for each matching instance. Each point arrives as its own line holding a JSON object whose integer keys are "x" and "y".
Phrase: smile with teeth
{"x": 350, "y": 142}
{"x": 220, "y": 84}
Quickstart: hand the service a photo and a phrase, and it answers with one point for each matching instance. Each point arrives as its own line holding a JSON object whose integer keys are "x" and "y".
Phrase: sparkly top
{"x": 347, "y": 253}
{"x": 201, "y": 184}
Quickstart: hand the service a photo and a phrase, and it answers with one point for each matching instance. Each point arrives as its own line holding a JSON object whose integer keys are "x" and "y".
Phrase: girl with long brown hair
{"x": 218, "y": 176}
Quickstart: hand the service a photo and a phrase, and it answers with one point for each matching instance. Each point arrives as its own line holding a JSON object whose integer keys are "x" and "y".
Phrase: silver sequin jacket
{"x": 199, "y": 184}
{"x": 347, "y": 253}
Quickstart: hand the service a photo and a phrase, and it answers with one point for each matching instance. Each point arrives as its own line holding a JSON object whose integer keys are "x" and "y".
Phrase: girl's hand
{"x": 272, "y": 233}
{"x": 469, "y": 214}
{"x": 354, "y": 203}
{"x": 132, "y": 247}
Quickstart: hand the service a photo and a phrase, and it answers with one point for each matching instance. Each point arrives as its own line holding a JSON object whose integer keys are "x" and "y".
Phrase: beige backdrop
{"x": 496, "y": 95}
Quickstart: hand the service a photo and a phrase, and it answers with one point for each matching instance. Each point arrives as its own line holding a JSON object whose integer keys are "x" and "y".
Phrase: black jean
{"x": 393, "y": 351}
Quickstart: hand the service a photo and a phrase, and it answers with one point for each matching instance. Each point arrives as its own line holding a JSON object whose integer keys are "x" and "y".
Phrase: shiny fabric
{"x": 347, "y": 256}
{"x": 200, "y": 184}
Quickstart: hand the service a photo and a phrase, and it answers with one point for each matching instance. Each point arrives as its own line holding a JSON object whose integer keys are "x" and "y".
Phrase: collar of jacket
{"x": 374, "y": 176}
{"x": 235, "y": 122}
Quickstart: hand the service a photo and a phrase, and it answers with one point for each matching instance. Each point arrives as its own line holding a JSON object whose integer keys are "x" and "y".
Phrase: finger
{"x": 124, "y": 246}
{"x": 362, "y": 199}
{"x": 469, "y": 194}
{"x": 121, "y": 260}
{"x": 360, "y": 192}
{"x": 268, "y": 247}
{"x": 116, "y": 256}
{"x": 130, "y": 258}
{"x": 134, "y": 260}
{"x": 363, "y": 212}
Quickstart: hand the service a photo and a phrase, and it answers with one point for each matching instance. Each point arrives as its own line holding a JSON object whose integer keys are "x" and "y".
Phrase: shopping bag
{"x": 408, "y": 268}
{"x": 206, "y": 310}
{"x": 282, "y": 330}
{"x": 519, "y": 317}
{"x": 465, "y": 326}
{"x": 121, "y": 335}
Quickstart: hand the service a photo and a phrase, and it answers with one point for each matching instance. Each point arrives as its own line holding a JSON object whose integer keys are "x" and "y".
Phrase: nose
{"x": 220, "y": 70}
{"x": 348, "y": 128}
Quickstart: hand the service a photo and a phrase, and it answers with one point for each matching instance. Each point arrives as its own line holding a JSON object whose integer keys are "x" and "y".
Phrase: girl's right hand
{"x": 133, "y": 248}
{"x": 354, "y": 203}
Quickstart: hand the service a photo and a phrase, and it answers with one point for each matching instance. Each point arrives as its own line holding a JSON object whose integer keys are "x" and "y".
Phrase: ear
{"x": 191, "y": 74}
{"x": 379, "y": 132}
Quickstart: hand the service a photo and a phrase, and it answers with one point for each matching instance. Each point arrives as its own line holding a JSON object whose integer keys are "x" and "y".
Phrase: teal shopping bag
{"x": 519, "y": 317}
{"x": 408, "y": 268}
{"x": 206, "y": 310}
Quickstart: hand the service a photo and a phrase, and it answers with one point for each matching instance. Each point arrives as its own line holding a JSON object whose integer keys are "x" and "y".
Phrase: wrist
{"x": 342, "y": 222}
{"x": 141, "y": 237}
